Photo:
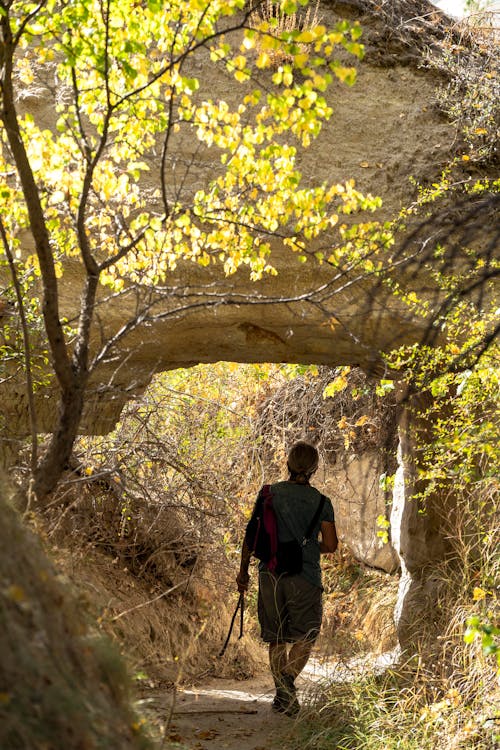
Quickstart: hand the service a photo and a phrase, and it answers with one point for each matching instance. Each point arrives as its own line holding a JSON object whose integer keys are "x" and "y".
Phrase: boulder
{"x": 359, "y": 500}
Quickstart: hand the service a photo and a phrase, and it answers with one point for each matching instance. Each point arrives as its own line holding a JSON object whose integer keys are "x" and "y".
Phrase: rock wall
{"x": 359, "y": 501}
{"x": 62, "y": 685}
{"x": 417, "y": 535}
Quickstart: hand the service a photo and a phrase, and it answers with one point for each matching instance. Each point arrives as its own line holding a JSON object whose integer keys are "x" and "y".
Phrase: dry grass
{"x": 448, "y": 695}
{"x": 358, "y": 609}
{"x": 280, "y": 22}
{"x": 469, "y": 58}
{"x": 158, "y": 587}
{"x": 268, "y": 17}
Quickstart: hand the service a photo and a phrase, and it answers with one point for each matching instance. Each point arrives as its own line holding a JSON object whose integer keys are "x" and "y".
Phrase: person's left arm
{"x": 329, "y": 541}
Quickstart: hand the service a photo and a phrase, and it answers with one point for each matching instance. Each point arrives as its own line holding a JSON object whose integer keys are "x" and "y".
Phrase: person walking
{"x": 290, "y": 606}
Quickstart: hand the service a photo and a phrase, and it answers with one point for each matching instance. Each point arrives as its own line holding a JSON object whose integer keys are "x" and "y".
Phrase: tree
{"x": 120, "y": 78}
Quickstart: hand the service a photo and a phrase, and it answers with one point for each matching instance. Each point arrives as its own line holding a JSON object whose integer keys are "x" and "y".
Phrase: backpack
{"x": 261, "y": 537}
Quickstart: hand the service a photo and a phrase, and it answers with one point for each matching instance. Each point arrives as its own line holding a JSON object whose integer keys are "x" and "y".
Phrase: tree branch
{"x": 26, "y": 345}
{"x": 38, "y": 227}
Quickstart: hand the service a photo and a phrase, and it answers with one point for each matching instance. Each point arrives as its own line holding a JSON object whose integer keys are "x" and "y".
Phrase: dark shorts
{"x": 290, "y": 608}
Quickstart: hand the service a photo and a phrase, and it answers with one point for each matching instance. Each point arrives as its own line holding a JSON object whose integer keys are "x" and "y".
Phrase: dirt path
{"x": 221, "y": 715}
{"x": 225, "y": 715}
{"x": 236, "y": 715}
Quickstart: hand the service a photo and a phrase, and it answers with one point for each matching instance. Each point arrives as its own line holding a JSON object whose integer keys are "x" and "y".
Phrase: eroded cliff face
{"x": 63, "y": 683}
{"x": 360, "y": 503}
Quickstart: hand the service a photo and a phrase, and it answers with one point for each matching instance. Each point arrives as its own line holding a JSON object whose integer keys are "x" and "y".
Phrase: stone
{"x": 353, "y": 485}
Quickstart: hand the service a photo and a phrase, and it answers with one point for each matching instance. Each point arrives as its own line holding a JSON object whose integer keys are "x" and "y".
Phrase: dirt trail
{"x": 225, "y": 715}
{"x": 236, "y": 715}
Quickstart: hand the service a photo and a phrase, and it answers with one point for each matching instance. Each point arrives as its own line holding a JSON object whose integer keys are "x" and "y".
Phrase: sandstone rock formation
{"x": 359, "y": 501}
{"x": 384, "y": 130}
{"x": 63, "y": 685}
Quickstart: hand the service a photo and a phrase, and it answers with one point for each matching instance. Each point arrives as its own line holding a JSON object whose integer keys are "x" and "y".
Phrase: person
{"x": 290, "y": 606}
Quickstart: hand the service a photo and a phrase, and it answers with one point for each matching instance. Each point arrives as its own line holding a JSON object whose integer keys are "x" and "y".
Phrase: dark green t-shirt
{"x": 295, "y": 506}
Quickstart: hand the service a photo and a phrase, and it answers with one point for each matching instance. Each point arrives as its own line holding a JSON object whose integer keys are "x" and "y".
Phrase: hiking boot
{"x": 293, "y": 707}
{"x": 280, "y": 701}
{"x": 285, "y": 701}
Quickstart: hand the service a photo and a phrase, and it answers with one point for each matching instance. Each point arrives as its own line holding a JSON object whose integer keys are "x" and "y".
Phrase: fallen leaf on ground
{"x": 206, "y": 734}
{"x": 174, "y": 737}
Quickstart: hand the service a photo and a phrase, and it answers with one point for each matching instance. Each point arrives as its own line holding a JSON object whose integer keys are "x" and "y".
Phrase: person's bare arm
{"x": 329, "y": 541}
{"x": 243, "y": 578}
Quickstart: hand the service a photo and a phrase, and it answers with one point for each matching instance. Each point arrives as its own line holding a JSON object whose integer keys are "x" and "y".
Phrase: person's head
{"x": 302, "y": 462}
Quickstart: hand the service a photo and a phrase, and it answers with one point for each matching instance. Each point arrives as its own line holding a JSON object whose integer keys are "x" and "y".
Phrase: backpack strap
{"x": 314, "y": 520}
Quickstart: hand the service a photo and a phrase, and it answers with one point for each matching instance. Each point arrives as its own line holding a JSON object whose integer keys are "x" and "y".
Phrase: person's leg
{"x": 273, "y": 619}
{"x": 278, "y": 659}
{"x": 304, "y": 610}
{"x": 298, "y": 657}
{"x": 285, "y": 700}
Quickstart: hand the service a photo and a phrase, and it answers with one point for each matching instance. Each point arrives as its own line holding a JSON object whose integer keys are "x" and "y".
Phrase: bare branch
{"x": 26, "y": 346}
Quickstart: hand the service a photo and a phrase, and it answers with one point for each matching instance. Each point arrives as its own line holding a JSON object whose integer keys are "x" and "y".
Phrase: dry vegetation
{"x": 147, "y": 528}
{"x": 299, "y": 410}
{"x": 148, "y": 521}
{"x": 62, "y": 683}
{"x": 448, "y": 695}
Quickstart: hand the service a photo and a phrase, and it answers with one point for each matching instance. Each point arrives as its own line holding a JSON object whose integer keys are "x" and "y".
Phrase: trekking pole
{"x": 240, "y": 606}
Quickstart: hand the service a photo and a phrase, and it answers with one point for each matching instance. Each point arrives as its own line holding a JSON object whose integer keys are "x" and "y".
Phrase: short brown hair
{"x": 303, "y": 459}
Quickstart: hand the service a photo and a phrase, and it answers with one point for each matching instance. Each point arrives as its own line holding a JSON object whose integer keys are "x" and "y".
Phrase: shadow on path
{"x": 222, "y": 714}
{"x": 226, "y": 714}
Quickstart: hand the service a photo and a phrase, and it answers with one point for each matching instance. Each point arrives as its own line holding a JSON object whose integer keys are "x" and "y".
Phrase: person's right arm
{"x": 243, "y": 578}
{"x": 329, "y": 541}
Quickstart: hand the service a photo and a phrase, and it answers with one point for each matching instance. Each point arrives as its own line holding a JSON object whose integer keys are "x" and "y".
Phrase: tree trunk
{"x": 57, "y": 455}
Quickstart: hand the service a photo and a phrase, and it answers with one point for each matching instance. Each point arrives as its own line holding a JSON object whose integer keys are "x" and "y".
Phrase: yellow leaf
{"x": 239, "y": 62}
{"x": 335, "y": 386}
{"x": 57, "y": 197}
{"x": 301, "y": 59}
{"x": 241, "y": 76}
{"x": 306, "y": 37}
{"x": 248, "y": 43}
{"x": 361, "y": 421}
{"x": 263, "y": 60}
{"x": 342, "y": 423}
{"x": 478, "y": 594}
